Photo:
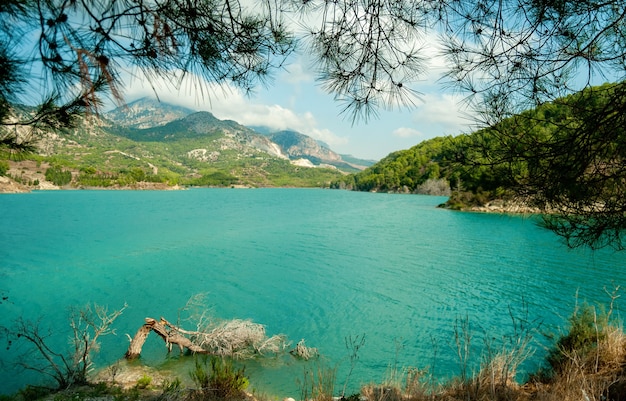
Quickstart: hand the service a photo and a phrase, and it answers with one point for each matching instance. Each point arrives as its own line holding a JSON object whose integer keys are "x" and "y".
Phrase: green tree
{"x": 58, "y": 176}
{"x": 514, "y": 56}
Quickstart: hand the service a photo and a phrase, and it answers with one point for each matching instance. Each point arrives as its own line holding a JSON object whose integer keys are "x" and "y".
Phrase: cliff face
{"x": 298, "y": 146}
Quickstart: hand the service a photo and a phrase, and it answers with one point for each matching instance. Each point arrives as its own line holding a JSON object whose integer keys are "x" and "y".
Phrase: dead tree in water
{"x": 236, "y": 338}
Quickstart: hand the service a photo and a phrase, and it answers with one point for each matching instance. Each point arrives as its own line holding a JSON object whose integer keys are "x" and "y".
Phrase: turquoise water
{"x": 315, "y": 264}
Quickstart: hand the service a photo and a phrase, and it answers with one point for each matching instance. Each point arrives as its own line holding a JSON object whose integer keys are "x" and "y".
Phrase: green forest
{"x": 497, "y": 162}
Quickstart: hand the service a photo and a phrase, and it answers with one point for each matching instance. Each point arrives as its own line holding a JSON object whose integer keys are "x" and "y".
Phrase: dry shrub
{"x": 496, "y": 378}
{"x": 594, "y": 369}
{"x": 611, "y": 351}
{"x": 401, "y": 385}
{"x": 240, "y": 339}
{"x": 302, "y": 351}
{"x": 593, "y": 346}
{"x": 573, "y": 384}
{"x": 382, "y": 392}
{"x": 236, "y": 338}
{"x": 416, "y": 383}
{"x": 318, "y": 384}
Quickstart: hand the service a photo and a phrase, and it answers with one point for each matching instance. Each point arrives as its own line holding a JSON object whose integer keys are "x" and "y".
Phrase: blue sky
{"x": 294, "y": 101}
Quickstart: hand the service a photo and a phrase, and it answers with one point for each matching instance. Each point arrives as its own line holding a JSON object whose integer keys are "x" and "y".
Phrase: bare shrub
{"x": 236, "y": 338}
{"x": 437, "y": 187}
{"x": 239, "y": 339}
{"x": 353, "y": 344}
{"x": 66, "y": 368}
{"x": 302, "y": 351}
{"x": 501, "y": 361}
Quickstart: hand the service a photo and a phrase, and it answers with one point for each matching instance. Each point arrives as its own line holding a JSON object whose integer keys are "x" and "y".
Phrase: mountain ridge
{"x": 292, "y": 144}
{"x": 126, "y": 146}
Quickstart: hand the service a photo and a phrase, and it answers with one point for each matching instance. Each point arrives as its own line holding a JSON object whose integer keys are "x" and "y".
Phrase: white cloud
{"x": 443, "y": 112}
{"x": 297, "y": 72}
{"x": 229, "y": 103}
{"x": 404, "y": 132}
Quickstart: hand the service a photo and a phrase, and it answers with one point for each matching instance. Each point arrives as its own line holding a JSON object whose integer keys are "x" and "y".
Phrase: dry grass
{"x": 318, "y": 384}
{"x": 594, "y": 372}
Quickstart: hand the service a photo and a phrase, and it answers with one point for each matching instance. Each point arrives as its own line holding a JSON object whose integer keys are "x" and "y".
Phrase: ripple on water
{"x": 314, "y": 264}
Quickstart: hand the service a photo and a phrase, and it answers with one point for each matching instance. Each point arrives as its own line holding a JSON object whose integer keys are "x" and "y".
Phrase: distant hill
{"x": 465, "y": 167}
{"x": 299, "y": 146}
{"x": 150, "y": 120}
{"x": 358, "y": 162}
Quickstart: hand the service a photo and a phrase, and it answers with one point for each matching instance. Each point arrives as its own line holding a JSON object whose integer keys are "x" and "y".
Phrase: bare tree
{"x": 66, "y": 368}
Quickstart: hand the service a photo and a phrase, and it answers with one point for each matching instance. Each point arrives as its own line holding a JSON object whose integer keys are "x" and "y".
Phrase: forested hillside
{"x": 488, "y": 164}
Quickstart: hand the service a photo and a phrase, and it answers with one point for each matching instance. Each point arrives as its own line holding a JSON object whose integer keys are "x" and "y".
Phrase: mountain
{"x": 146, "y": 113}
{"x": 214, "y": 134}
{"x": 126, "y": 147}
{"x": 150, "y": 120}
{"x": 362, "y": 163}
{"x": 298, "y": 146}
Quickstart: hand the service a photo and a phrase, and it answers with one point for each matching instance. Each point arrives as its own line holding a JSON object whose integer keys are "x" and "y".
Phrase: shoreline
{"x": 10, "y": 186}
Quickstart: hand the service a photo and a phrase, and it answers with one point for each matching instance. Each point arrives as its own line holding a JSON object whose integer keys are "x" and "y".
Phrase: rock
{"x": 8, "y": 186}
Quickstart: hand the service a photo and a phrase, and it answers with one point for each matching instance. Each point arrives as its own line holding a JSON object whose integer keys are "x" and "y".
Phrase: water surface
{"x": 315, "y": 264}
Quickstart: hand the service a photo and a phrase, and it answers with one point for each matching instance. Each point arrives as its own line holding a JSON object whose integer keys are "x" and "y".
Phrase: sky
{"x": 294, "y": 100}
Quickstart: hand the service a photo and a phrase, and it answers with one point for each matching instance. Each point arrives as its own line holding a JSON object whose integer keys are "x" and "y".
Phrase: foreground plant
{"x": 220, "y": 380}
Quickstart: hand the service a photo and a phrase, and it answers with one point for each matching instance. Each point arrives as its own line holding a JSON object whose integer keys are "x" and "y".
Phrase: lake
{"x": 319, "y": 265}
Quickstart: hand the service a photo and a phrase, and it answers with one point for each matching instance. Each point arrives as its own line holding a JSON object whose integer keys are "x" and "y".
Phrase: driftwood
{"x": 235, "y": 338}
{"x": 168, "y": 332}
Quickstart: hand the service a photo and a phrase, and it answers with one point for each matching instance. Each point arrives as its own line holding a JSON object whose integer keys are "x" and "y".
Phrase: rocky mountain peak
{"x": 147, "y": 113}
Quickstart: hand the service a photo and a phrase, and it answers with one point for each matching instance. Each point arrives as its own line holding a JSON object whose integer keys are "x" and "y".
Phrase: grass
{"x": 586, "y": 363}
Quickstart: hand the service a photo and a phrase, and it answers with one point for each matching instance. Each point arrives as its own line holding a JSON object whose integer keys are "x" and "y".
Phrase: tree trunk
{"x": 167, "y": 331}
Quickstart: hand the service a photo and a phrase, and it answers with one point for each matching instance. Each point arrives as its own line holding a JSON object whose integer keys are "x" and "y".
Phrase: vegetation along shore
{"x": 585, "y": 362}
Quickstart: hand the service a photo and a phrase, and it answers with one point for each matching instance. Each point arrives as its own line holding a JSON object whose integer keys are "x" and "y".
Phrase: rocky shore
{"x": 31, "y": 172}
{"x": 506, "y": 207}
{"x": 8, "y": 186}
